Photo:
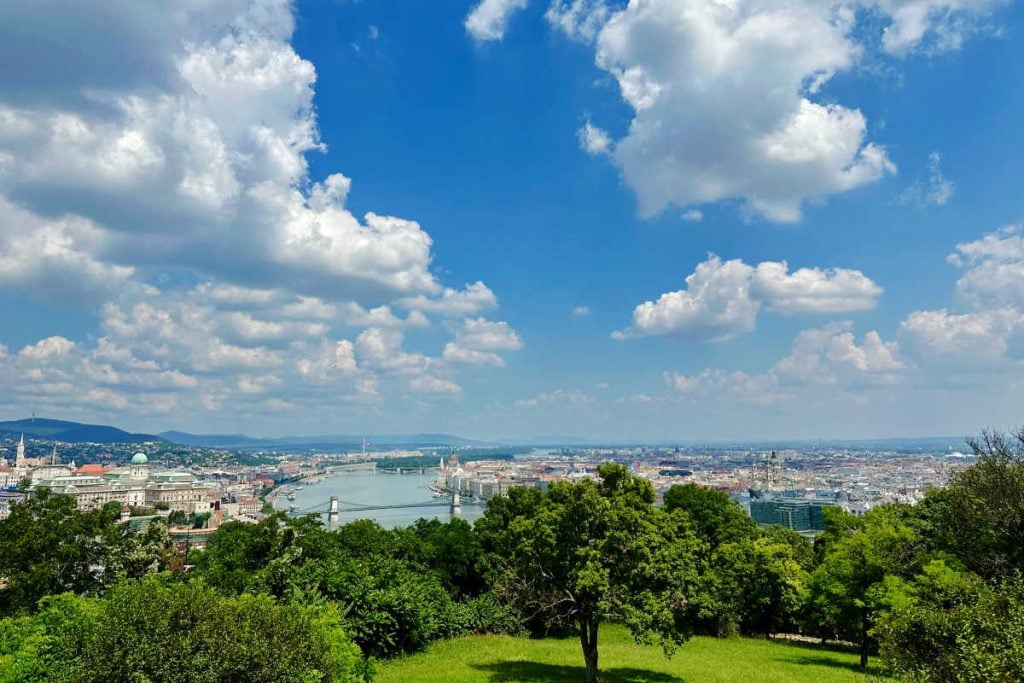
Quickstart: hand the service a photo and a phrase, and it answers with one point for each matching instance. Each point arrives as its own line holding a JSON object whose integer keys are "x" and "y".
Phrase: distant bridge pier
{"x": 456, "y": 509}
{"x": 332, "y": 511}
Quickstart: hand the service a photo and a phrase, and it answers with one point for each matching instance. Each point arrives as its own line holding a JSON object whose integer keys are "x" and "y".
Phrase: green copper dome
{"x": 140, "y": 459}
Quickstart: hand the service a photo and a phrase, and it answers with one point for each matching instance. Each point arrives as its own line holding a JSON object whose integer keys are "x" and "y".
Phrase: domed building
{"x": 135, "y": 486}
{"x": 139, "y": 468}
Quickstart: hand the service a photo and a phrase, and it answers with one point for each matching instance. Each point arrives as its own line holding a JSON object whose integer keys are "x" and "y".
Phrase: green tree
{"x": 177, "y": 518}
{"x": 48, "y": 546}
{"x": 947, "y": 625}
{"x": 766, "y": 583}
{"x": 857, "y": 555}
{"x": 727, "y": 558}
{"x": 22, "y": 645}
{"x": 449, "y": 549}
{"x": 803, "y": 549}
{"x": 200, "y": 519}
{"x": 129, "y": 554}
{"x": 979, "y": 516}
{"x": 154, "y": 630}
{"x": 716, "y": 517}
{"x": 388, "y": 606}
{"x": 580, "y": 553}
{"x": 366, "y": 537}
{"x": 238, "y": 551}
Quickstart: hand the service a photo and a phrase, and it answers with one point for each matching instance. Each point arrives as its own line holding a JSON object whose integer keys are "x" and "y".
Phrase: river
{"x": 370, "y": 488}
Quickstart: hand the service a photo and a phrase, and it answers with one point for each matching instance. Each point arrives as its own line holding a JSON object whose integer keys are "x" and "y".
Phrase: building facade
{"x": 132, "y": 486}
{"x": 799, "y": 515}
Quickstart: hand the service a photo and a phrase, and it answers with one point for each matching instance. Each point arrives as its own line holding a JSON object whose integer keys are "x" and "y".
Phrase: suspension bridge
{"x": 333, "y": 507}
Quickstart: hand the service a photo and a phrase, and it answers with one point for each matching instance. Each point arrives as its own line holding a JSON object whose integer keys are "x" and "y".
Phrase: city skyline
{"x": 512, "y": 218}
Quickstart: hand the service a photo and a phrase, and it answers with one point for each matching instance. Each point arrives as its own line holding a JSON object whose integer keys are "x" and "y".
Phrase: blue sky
{"x": 506, "y": 218}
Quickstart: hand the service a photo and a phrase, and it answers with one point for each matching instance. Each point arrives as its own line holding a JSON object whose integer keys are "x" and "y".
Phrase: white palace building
{"x": 132, "y": 486}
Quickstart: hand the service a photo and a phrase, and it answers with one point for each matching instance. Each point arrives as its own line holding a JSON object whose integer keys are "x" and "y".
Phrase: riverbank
{"x": 290, "y": 485}
{"x": 389, "y": 500}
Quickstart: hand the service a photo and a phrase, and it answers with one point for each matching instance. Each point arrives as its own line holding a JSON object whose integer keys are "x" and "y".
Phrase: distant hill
{"x": 216, "y": 440}
{"x": 318, "y": 441}
{"x": 554, "y": 440}
{"x": 72, "y": 432}
{"x": 389, "y": 439}
{"x": 898, "y": 444}
{"x": 77, "y": 432}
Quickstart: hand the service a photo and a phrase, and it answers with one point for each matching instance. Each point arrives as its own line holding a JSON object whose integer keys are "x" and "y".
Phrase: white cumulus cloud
{"x": 814, "y": 290}
{"x": 967, "y": 338}
{"x": 489, "y": 19}
{"x": 170, "y": 195}
{"x": 726, "y": 97}
{"x": 477, "y": 342}
{"x": 472, "y": 299}
{"x": 993, "y": 269}
{"x": 594, "y": 140}
{"x": 723, "y": 298}
{"x": 819, "y": 359}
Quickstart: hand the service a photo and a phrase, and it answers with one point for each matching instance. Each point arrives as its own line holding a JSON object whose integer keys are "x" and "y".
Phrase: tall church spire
{"x": 19, "y": 460}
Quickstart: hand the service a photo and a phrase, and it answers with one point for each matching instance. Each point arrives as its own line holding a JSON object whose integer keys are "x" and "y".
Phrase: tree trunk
{"x": 863, "y": 638}
{"x": 588, "y": 640}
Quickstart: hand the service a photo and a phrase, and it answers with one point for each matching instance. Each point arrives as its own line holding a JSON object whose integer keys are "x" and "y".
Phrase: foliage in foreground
{"x": 949, "y": 625}
{"x": 153, "y": 630}
{"x": 397, "y": 590}
{"x": 47, "y": 547}
{"x": 936, "y": 588}
{"x": 961, "y": 617}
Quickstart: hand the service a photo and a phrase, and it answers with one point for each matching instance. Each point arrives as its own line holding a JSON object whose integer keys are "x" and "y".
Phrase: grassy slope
{"x": 502, "y": 658}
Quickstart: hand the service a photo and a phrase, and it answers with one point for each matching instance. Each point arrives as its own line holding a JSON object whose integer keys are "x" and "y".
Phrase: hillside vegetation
{"x": 71, "y": 432}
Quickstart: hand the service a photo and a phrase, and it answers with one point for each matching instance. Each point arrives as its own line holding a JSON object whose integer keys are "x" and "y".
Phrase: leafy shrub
{"x": 152, "y": 630}
{"x": 950, "y": 626}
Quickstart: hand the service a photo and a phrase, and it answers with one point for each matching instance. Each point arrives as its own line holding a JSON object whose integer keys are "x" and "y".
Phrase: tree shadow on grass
{"x": 810, "y": 660}
{"x": 535, "y": 672}
{"x": 807, "y": 654}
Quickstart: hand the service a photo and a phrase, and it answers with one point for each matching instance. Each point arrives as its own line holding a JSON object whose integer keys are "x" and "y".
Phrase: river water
{"x": 370, "y": 488}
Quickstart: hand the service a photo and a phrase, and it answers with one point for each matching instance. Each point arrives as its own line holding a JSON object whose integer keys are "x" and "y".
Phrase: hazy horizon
{"x": 546, "y": 439}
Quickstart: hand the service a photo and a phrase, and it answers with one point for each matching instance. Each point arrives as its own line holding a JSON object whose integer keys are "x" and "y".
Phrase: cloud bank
{"x": 727, "y": 98}
{"x": 169, "y": 194}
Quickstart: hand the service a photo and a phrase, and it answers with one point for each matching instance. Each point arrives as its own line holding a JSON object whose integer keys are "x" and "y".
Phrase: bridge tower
{"x": 456, "y": 509}
{"x": 332, "y": 511}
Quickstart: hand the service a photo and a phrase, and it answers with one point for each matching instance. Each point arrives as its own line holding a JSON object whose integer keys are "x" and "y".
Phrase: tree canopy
{"x": 47, "y": 546}
{"x": 580, "y": 553}
{"x": 154, "y": 630}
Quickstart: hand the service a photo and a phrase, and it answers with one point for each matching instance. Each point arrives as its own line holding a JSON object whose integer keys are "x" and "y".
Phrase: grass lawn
{"x": 701, "y": 660}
